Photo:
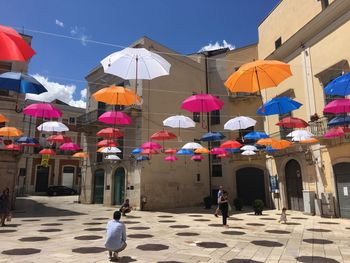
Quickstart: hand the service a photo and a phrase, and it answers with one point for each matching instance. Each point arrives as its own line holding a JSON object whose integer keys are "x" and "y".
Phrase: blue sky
{"x": 183, "y": 25}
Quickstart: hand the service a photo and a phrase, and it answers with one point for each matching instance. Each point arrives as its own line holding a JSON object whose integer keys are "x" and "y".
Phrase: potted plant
{"x": 207, "y": 202}
{"x": 238, "y": 203}
{"x": 258, "y": 206}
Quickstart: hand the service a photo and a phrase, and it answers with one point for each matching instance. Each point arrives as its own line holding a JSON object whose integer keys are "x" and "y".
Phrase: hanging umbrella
{"x": 269, "y": 149}
{"x": 170, "y": 151}
{"x": 279, "y": 105}
{"x": 52, "y": 126}
{"x": 292, "y": 122}
{"x": 334, "y": 132}
{"x": 112, "y": 157}
{"x": 185, "y": 152}
{"x": 3, "y": 118}
{"x": 42, "y": 110}
{"x": 107, "y": 143}
{"x": 115, "y": 117}
{"x": 301, "y": 139}
{"x": 239, "y": 123}
{"x": 58, "y": 138}
{"x": 192, "y": 146}
{"x": 136, "y": 151}
{"x": 149, "y": 151}
{"x": 223, "y": 155}
{"x": 27, "y": 141}
{"x": 256, "y": 136}
{"x": 13, "y": 46}
{"x": 197, "y": 158}
{"x": 231, "y": 144}
{"x": 338, "y": 106}
{"x": 142, "y": 158}
{"x": 232, "y": 150}
{"x": 339, "y": 86}
{"x": 13, "y": 147}
{"x": 248, "y": 153}
{"x": 249, "y": 148}
{"x": 10, "y": 132}
{"x": 69, "y": 146}
{"x": 80, "y": 155}
{"x": 179, "y": 121}
{"x": 151, "y": 145}
{"x": 47, "y": 152}
{"x": 202, "y": 103}
{"x": 110, "y": 133}
{"x": 201, "y": 150}
{"x": 212, "y": 136}
{"x": 309, "y": 140}
{"x": 281, "y": 144}
{"x": 267, "y": 141}
{"x": 101, "y": 149}
{"x": 171, "y": 158}
{"x": 163, "y": 135}
{"x": 339, "y": 121}
{"x": 300, "y": 133}
{"x": 216, "y": 151}
{"x": 111, "y": 150}
{"x": 21, "y": 83}
{"x": 116, "y": 95}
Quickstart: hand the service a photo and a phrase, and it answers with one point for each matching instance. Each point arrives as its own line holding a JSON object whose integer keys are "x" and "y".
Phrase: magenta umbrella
{"x": 151, "y": 145}
{"x": 338, "y": 106}
{"x": 69, "y": 146}
{"x": 334, "y": 132}
{"x": 42, "y": 110}
{"x": 115, "y": 117}
{"x": 171, "y": 158}
{"x": 217, "y": 151}
{"x": 197, "y": 158}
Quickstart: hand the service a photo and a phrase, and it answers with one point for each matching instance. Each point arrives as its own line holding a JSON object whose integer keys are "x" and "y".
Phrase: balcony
{"x": 243, "y": 95}
{"x": 319, "y": 127}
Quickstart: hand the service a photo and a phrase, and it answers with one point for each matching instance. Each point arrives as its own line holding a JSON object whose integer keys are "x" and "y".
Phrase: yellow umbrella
{"x": 3, "y": 118}
{"x": 201, "y": 150}
{"x": 116, "y": 95}
{"x": 80, "y": 155}
{"x": 266, "y": 141}
{"x": 10, "y": 132}
{"x": 281, "y": 144}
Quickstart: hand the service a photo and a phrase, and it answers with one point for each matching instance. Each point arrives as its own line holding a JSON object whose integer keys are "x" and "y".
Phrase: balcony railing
{"x": 319, "y": 127}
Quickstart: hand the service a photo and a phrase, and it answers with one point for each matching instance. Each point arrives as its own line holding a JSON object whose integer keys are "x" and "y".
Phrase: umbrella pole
{"x": 137, "y": 62}
{"x": 262, "y": 101}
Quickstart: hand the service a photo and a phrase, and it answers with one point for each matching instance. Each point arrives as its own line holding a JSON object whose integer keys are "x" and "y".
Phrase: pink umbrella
{"x": 115, "y": 117}
{"x": 13, "y": 147}
{"x": 171, "y": 158}
{"x": 334, "y": 132}
{"x": 338, "y": 106}
{"x": 202, "y": 103}
{"x": 197, "y": 158}
{"x": 224, "y": 155}
{"x": 42, "y": 110}
{"x": 151, "y": 145}
{"x": 217, "y": 151}
{"x": 69, "y": 146}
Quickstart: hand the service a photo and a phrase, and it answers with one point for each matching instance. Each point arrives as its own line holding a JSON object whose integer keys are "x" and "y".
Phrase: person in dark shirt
{"x": 125, "y": 208}
{"x": 223, "y": 205}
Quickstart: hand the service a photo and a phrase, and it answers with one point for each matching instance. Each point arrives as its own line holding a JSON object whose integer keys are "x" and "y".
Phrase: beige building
{"x": 313, "y": 39}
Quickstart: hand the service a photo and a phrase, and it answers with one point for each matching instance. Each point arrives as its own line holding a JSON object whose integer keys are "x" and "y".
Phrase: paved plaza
{"x": 59, "y": 229}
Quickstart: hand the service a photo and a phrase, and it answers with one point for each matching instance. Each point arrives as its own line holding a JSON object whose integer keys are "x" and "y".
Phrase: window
{"x": 68, "y": 169}
{"x": 101, "y": 108}
{"x": 278, "y": 43}
{"x": 216, "y": 170}
{"x": 198, "y": 177}
{"x": 215, "y": 117}
{"x": 22, "y": 172}
{"x": 196, "y": 117}
{"x": 71, "y": 120}
{"x": 244, "y": 132}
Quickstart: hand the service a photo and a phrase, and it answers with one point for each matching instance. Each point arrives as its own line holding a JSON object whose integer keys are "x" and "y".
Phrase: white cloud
{"x": 217, "y": 45}
{"x": 58, "y": 91}
{"x": 59, "y": 23}
{"x": 79, "y": 32}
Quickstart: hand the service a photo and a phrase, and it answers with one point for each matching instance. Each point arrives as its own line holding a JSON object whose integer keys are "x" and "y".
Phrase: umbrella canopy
{"x": 212, "y": 136}
{"x": 197, "y": 158}
{"x": 163, "y": 135}
{"x": 334, "y": 132}
{"x": 13, "y": 46}
{"x": 136, "y": 151}
{"x": 170, "y": 151}
{"x": 249, "y": 148}
{"x": 107, "y": 143}
{"x": 179, "y": 121}
{"x": 115, "y": 117}
{"x": 10, "y": 132}
{"x": 248, "y": 153}
{"x": 232, "y": 150}
{"x": 239, "y": 123}
{"x": 279, "y": 105}
{"x": 69, "y": 146}
{"x": 149, "y": 151}
{"x": 47, "y": 151}
{"x": 338, "y": 106}
{"x": 231, "y": 144}
{"x": 13, "y": 147}
{"x": 59, "y": 138}
{"x": 112, "y": 157}
{"x": 185, "y": 152}
{"x": 201, "y": 150}
{"x": 269, "y": 149}
{"x": 52, "y": 126}
{"x": 292, "y": 122}
{"x": 224, "y": 155}
{"x": 151, "y": 145}
{"x": 142, "y": 158}
{"x": 21, "y": 83}
{"x": 111, "y": 150}
{"x": 80, "y": 155}
{"x": 135, "y": 63}
{"x": 110, "y": 133}
{"x": 42, "y": 110}
{"x": 281, "y": 144}
{"x": 27, "y": 141}
{"x": 300, "y": 133}
{"x": 267, "y": 141}
{"x": 100, "y": 149}
{"x": 339, "y": 121}
{"x": 256, "y": 135}
{"x": 171, "y": 158}
{"x": 192, "y": 146}
{"x": 3, "y": 118}
{"x": 339, "y": 86}
{"x": 257, "y": 75}
{"x": 116, "y": 95}
{"x": 202, "y": 103}
{"x": 309, "y": 140}
{"x": 216, "y": 151}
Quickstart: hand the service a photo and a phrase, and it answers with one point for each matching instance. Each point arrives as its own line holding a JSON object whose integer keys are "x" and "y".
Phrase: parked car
{"x": 60, "y": 190}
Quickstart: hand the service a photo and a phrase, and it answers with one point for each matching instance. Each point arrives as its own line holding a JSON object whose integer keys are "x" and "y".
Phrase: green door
{"x": 119, "y": 185}
{"x": 99, "y": 181}
{"x": 42, "y": 179}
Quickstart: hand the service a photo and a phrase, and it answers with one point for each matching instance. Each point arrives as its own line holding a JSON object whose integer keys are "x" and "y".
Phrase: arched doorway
{"x": 42, "y": 178}
{"x": 294, "y": 186}
{"x": 99, "y": 181}
{"x": 250, "y": 185}
{"x": 119, "y": 186}
{"x": 342, "y": 179}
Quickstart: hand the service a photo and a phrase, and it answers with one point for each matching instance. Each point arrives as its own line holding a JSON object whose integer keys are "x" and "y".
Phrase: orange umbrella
{"x": 281, "y": 144}
{"x": 10, "y": 132}
{"x": 47, "y": 151}
{"x": 201, "y": 150}
{"x": 110, "y": 133}
{"x": 116, "y": 95}
{"x": 100, "y": 149}
{"x": 310, "y": 140}
{"x": 3, "y": 118}
{"x": 170, "y": 151}
{"x": 80, "y": 155}
{"x": 266, "y": 141}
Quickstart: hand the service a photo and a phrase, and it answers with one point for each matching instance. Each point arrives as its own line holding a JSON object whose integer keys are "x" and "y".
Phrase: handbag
{"x": 229, "y": 208}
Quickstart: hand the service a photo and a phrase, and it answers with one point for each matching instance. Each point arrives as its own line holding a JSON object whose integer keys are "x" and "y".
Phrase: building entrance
{"x": 119, "y": 186}
{"x": 342, "y": 179}
{"x": 42, "y": 179}
{"x": 99, "y": 181}
{"x": 294, "y": 186}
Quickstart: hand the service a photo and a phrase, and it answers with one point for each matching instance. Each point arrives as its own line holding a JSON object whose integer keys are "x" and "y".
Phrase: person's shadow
{"x": 124, "y": 259}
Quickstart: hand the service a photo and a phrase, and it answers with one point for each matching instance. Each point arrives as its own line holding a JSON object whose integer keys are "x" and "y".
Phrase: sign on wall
{"x": 273, "y": 183}
{"x": 45, "y": 160}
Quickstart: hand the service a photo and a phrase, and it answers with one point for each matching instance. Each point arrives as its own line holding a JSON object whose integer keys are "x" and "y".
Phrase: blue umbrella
{"x": 142, "y": 158}
{"x": 21, "y": 83}
{"x": 212, "y": 136}
{"x": 339, "y": 86}
{"x": 269, "y": 149}
{"x": 281, "y": 105}
{"x": 339, "y": 121}
{"x": 27, "y": 140}
{"x": 256, "y": 136}
{"x": 185, "y": 152}
{"x": 232, "y": 150}
{"x": 136, "y": 151}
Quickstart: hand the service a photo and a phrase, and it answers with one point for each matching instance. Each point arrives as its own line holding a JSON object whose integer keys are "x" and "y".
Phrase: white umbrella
{"x": 192, "y": 146}
{"x": 52, "y": 126}
{"x": 249, "y": 148}
{"x": 300, "y": 133}
{"x": 112, "y": 157}
{"x": 239, "y": 123}
{"x": 248, "y": 153}
{"x": 111, "y": 150}
{"x": 179, "y": 121}
{"x": 300, "y": 138}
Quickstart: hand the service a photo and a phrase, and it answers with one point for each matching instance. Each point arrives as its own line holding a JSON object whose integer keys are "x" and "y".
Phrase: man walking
{"x": 115, "y": 236}
{"x": 217, "y": 211}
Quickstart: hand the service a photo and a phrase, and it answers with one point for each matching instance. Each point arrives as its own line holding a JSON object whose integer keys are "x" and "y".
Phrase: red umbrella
{"x": 163, "y": 135}
{"x": 231, "y": 144}
{"x": 47, "y": 151}
{"x": 13, "y": 147}
{"x": 107, "y": 143}
{"x": 59, "y": 138}
{"x": 13, "y": 46}
{"x": 110, "y": 133}
{"x": 170, "y": 151}
{"x": 151, "y": 145}
{"x": 149, "y": 151}
{"x": 292, "y": 122}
